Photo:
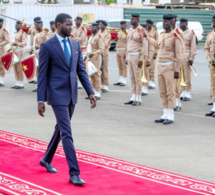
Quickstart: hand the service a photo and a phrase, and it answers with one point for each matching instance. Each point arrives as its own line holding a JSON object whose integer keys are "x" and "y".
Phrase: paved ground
{"x": 187, "y": 147}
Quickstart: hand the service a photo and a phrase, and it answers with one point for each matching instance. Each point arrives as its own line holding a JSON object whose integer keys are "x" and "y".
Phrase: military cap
{"x": 1, "y": 20}
{"x": 104, "y": 22}
{"x": 123, "y": 22}
{"x": 149, "y": 21}
{"x": 98, "y": 21}
{"x": 37, "y": 18}
{"x": 78, "y": 18}
{"x": 168, "y": 17}
{"x": 52, "y": 22}
{"x": 18, "y": 22}
{"x": 183, "y": 20}
{"x": 39, "y": 21}
{"x": 135, "y": 15}
{"x": 95, "y": 24}
{"x": 174, "y": 16}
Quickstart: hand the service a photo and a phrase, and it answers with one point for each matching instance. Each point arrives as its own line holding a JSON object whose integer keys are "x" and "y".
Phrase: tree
{"x": 49, "y": 2}
{"x": 42, "y": 1}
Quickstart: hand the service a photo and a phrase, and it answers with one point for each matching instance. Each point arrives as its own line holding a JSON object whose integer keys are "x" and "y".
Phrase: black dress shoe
{"x": 18, "y": 87}
{"x": 79, "y": 87}
{"x": 35, "y": 90}
{"x": 1, "y": 85}
{"x": 211, "y": 113}
{"x": 160, "y": 120}
{"x": 87, "y": 98}
{"x": 48, "y": 166}
{"x": 143, "y": 94}
{"x": 181, "y": 98}
{"x": 185, "y": 99}
{"x": 167, "y": 122}
{"x": 97, "y": 98}
{"x": 104, "y": 90}
{"x": 122, "y": 84}
{"x": 129, "y": 102}
{"x": 76, "y": 180}
{"x": 35, "y": 82}
{"x": 118, "y": 83}
{"x": 31, "y": 82}
{"x": 150, "y": 87}
{"x": 136, "y": 103}
{"x": 210, "y": 104}
{"x": 14, "y": 87}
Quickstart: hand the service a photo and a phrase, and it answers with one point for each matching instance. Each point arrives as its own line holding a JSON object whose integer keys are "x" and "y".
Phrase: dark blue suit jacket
{"x": 57, "y": 82}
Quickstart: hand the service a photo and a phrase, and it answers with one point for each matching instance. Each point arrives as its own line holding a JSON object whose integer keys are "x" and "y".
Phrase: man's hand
{"x": 190, "y": 62}
{"x": 14, "y": 44}
{"x": 140, "y": 64}
{"x": 91, "y": 55}
{"x": 155, "y": 56}
{"x": 31, "y": 51}
{"x": 147, "y": 63}
{"x": 41, "y": 108}
{"x": 92, "y": 101}
{"x": 126, "y": 62}
{"x": 142, "y": 32}
{"x": 37, "y": 47}
{"x": 176, "y": 75}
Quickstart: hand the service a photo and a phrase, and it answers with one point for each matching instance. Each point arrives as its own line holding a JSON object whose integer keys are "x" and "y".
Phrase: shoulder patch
{"x": 193, "y": 32}
{"x": 71, "y": 35}
{"x": 176, "y": 36}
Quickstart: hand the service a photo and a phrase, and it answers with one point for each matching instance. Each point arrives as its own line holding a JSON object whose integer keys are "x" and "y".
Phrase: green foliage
{"x": 48, "y": 1}
{"x": 108, "y": 2}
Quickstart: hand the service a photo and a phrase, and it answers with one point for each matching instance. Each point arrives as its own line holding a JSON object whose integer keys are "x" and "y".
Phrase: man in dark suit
{"x": 60, "y": 62}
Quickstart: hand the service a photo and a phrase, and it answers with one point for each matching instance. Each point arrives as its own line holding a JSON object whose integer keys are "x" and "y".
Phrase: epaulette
{"x": 177, "y": 30}
{"x": 83, "y": 28}
{"x": 71, "y": 35}
{"x": 100, "y": 35}
{"x": 4, "y": 29}
{"x": 176, "y": 36}
{"x": 23, "y": 31}
{"x": 193, "y": 32}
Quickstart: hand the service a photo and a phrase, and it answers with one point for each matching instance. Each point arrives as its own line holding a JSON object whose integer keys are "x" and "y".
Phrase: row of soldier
{"x": 137, "y": 49}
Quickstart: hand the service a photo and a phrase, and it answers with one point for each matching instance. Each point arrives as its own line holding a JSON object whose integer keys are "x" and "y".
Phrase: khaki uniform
{"x": 21, "y": 41}
{"x": 97, "y": 48}
{"x": 170, "y": 55}
{"x": 190, "y": 53}
{"x": 135, "y": 42}
{"x": 177, "y": 81}
{"x": 80, "y": 35}
{"x": 210, "y": 54}
{"x": 106, "y": 55}
{"x": 120, "y": 53}
{"x": 32, "y": 32}
{"x": 4, "y": 40}
{"x": 152, "y": 51}
{"x": 51, "y": 34}
{"x": 38, "y": 40}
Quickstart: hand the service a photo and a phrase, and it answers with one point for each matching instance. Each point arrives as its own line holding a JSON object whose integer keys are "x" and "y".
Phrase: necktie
{"x": 66, "y": 52}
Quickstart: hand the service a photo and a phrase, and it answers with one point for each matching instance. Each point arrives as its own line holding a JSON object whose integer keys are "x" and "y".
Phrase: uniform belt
{"x": 120, "y": 49}
{"x": 134, "y": 53}
{"x": 165, "y": 63}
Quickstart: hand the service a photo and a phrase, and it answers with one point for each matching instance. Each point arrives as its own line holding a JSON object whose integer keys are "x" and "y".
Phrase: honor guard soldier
{"x": 4, "y": 40}
{"x": 53, "y": 30}
{"x": 79, "y": 33}
{"x": 178, "y": 104}
{"x": 190, "y": 53}
{"x": 106, "y": 55}
{"x": 153, "y": 33}
{"x": 136, "y": 54}
{"x": 210, "y": 55}
{"x": 170, "y": 55}
{"x": 95, "y": 48}
{"x": 39, "y": 38}
{"x": 18, "y": 45}
{"x": 121, "y": 45}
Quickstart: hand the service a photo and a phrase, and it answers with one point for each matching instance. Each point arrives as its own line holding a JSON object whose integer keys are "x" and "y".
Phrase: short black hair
{"x": 62, "y": 18}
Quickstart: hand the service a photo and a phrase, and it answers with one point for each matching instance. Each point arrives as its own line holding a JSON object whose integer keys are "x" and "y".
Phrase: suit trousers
{"x": 212, "y": 69}
{"x": 123, "y": 69}
{"x": 135, "y": 74}
{"x": 187, "y": 76}
{"x": 166, "y": 83}
{"x": 105, "y": 68}
{"x": 63, "y": 131}
{"x": 96, "y": 78}
{"x": 2, "y": 71}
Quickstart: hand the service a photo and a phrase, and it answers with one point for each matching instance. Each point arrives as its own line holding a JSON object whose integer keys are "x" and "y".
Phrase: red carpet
{"x": 20, "y": 174}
